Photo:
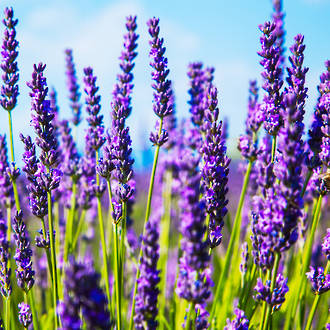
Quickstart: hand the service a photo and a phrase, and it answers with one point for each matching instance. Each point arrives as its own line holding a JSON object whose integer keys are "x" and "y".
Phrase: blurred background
{"x": 223, "y": 34}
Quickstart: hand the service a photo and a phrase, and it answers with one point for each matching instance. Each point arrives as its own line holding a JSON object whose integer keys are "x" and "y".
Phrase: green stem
{"x": 148, "y": 209}
{"x": 272, "y": 287}
{"x": 189, "y": 315}
{"x": 79, "y": 229}
{"x": 164, "y": 243}
{"x": 105, "y": 272}
{"x": 233, "y": 242}
{"x": 33, "y": 310}
{"x": 53, "y": 256}
{"x": 69, "y": 224}
{"x": 315, "y": 303}
{"x": 273, "y": 148}
{"x": 7, "y": 318}
{"x": 116, "y": 270}
{"x": 308, "y": 176}
{"x": 306, "y": 260}
{"x": 122, "y": 250}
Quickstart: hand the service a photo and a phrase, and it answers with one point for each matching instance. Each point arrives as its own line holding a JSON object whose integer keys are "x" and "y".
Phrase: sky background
{"x": 223, "y": 34}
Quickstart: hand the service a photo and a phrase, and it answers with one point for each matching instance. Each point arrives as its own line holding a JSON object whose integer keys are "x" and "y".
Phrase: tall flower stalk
{"x": 49, "y": 178}
{"x": 162, "y": 106}
{"x": 9, "y": 89}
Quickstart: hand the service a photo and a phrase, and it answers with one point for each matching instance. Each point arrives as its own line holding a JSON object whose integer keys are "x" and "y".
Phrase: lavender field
{"x": 190, "y": 238}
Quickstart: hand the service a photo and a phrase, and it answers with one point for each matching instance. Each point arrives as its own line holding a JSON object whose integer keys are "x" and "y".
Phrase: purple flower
{"x": 320, "y": 282}
{"x": 5, "y": 285}
{"x": 73, "y": 87}
{"x": 275, "y": 298}
{"x": 272, "y": 73}
{"x": 23, "y": 256}
{"x": 194, "y": 279}
{"x": 117, "y": 152}
{"x": 240, "y": 322}
{"x": 199, "y": 81}
{"x": 82, "y": 292}
{"x": 9, "y": 89}
{"x": 215, "y": 170}
{"x": 42, "y": 116}
{"x": 147, "y": 295}
{"x": 326, "y": 244}
{"x": 315, "y": 132}
{"x": 6, "y": 188}
{"x": 95, "y": 132}
{"x": 245, "y": 258}
{"x": 24, "y": 314}
{"x": 162, "y": 102}
{"x": 278, "y": 18}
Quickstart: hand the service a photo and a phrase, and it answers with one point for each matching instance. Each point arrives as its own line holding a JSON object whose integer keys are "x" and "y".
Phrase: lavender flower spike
{"x": 278, "y": 18}
{"x": 147, "y": 295}
{"x": 215, "y": 170}
{"x": 162, "y": 103}
{"x": 326, "y": 245}
{"x": 272, "y": 76}
{"x": 23, "y": 256}
{"x": 9, "y": 89}
{"x": 239, "y": 323}
{"x": 24, "y": 315}
{"x": 319, "y": 280}
{"x": 5, "y": 285}
{"x": 73, "y": 87}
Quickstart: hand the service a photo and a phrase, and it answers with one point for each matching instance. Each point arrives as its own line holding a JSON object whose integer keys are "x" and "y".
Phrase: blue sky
{"x": 223, "y": 34}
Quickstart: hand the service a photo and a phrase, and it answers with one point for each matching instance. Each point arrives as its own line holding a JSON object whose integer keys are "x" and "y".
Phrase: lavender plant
{"x": 166, "y": 255}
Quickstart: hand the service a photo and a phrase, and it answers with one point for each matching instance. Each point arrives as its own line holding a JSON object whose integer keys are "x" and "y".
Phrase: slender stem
{"x": 148, "y": 209}
{"x": 105, "y": 271}
{"x": 33, "y": 310}
{"x": 315, "y": 303}
{"x": 308, "y": 176}
{"x": 273, "y": 148}
{"x": 234, "y": 240}
{"x": 189, "y": 316}
{"x": 164, "y": 242}
{"x": 69, "y": 224}
{"x": 122, "y": 251}
{"x": 272, "y": 287}
{"x": 79, "y": 229}
{"x": 7, "y": 318}
{"x": 9, "y": 225}
{"x": 117, "y": 281}
{"x": 264, "y": 309}
{"x": 53, "y": 255}
{"x": 306, "y": 260}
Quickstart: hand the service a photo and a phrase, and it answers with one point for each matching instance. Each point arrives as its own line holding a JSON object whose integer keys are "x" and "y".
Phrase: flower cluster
{"x": 24, "y": 315}
{"x": 320, "y": 282}
{"x": 23, "y": 256}
{"x": 9, "y": 89}
{"x": 326, "y": 245}
{"x": 162, "y": 103}
{"x": 272, "y": 76}
{"x": 215, "y": 170}
{"x": 6, "y": 188}
{"x": 73, "y": 87}
{"x": 5, "y": 271}
{"x": 147, "y": 295}
{"x": 239, "y": 323}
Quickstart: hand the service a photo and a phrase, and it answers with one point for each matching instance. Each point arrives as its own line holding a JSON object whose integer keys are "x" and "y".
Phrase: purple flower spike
{"x": 24, "y": 314}
{"x": 240, "y": 322}
{"x": 94, "y": 137}
{"x": 320, "y": 282}
{"x": 9, "y": 89}
{"x": 162, "y": 103}
{"x": 73, "y": 87}
{"x": 147, "y": 294}
{"x": 278, "y": 18}
{"x": 82, "y": 292}
{"x": 5, "y": 285}
{"x": 118, "y": 151}
{"x": 42, "y": 116}
{"x": 272, "y": 76}
{"x": 6, "y": 188}
{"x": 277, "y": 297}
{"x": 315, "y": 132}
{"x": 194, "y": 280}
{"x": 215, "y": 171}
{"x": 23, "y": 256}
{"x": 245, "y": 258}
{"x": 326, "y": 245}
